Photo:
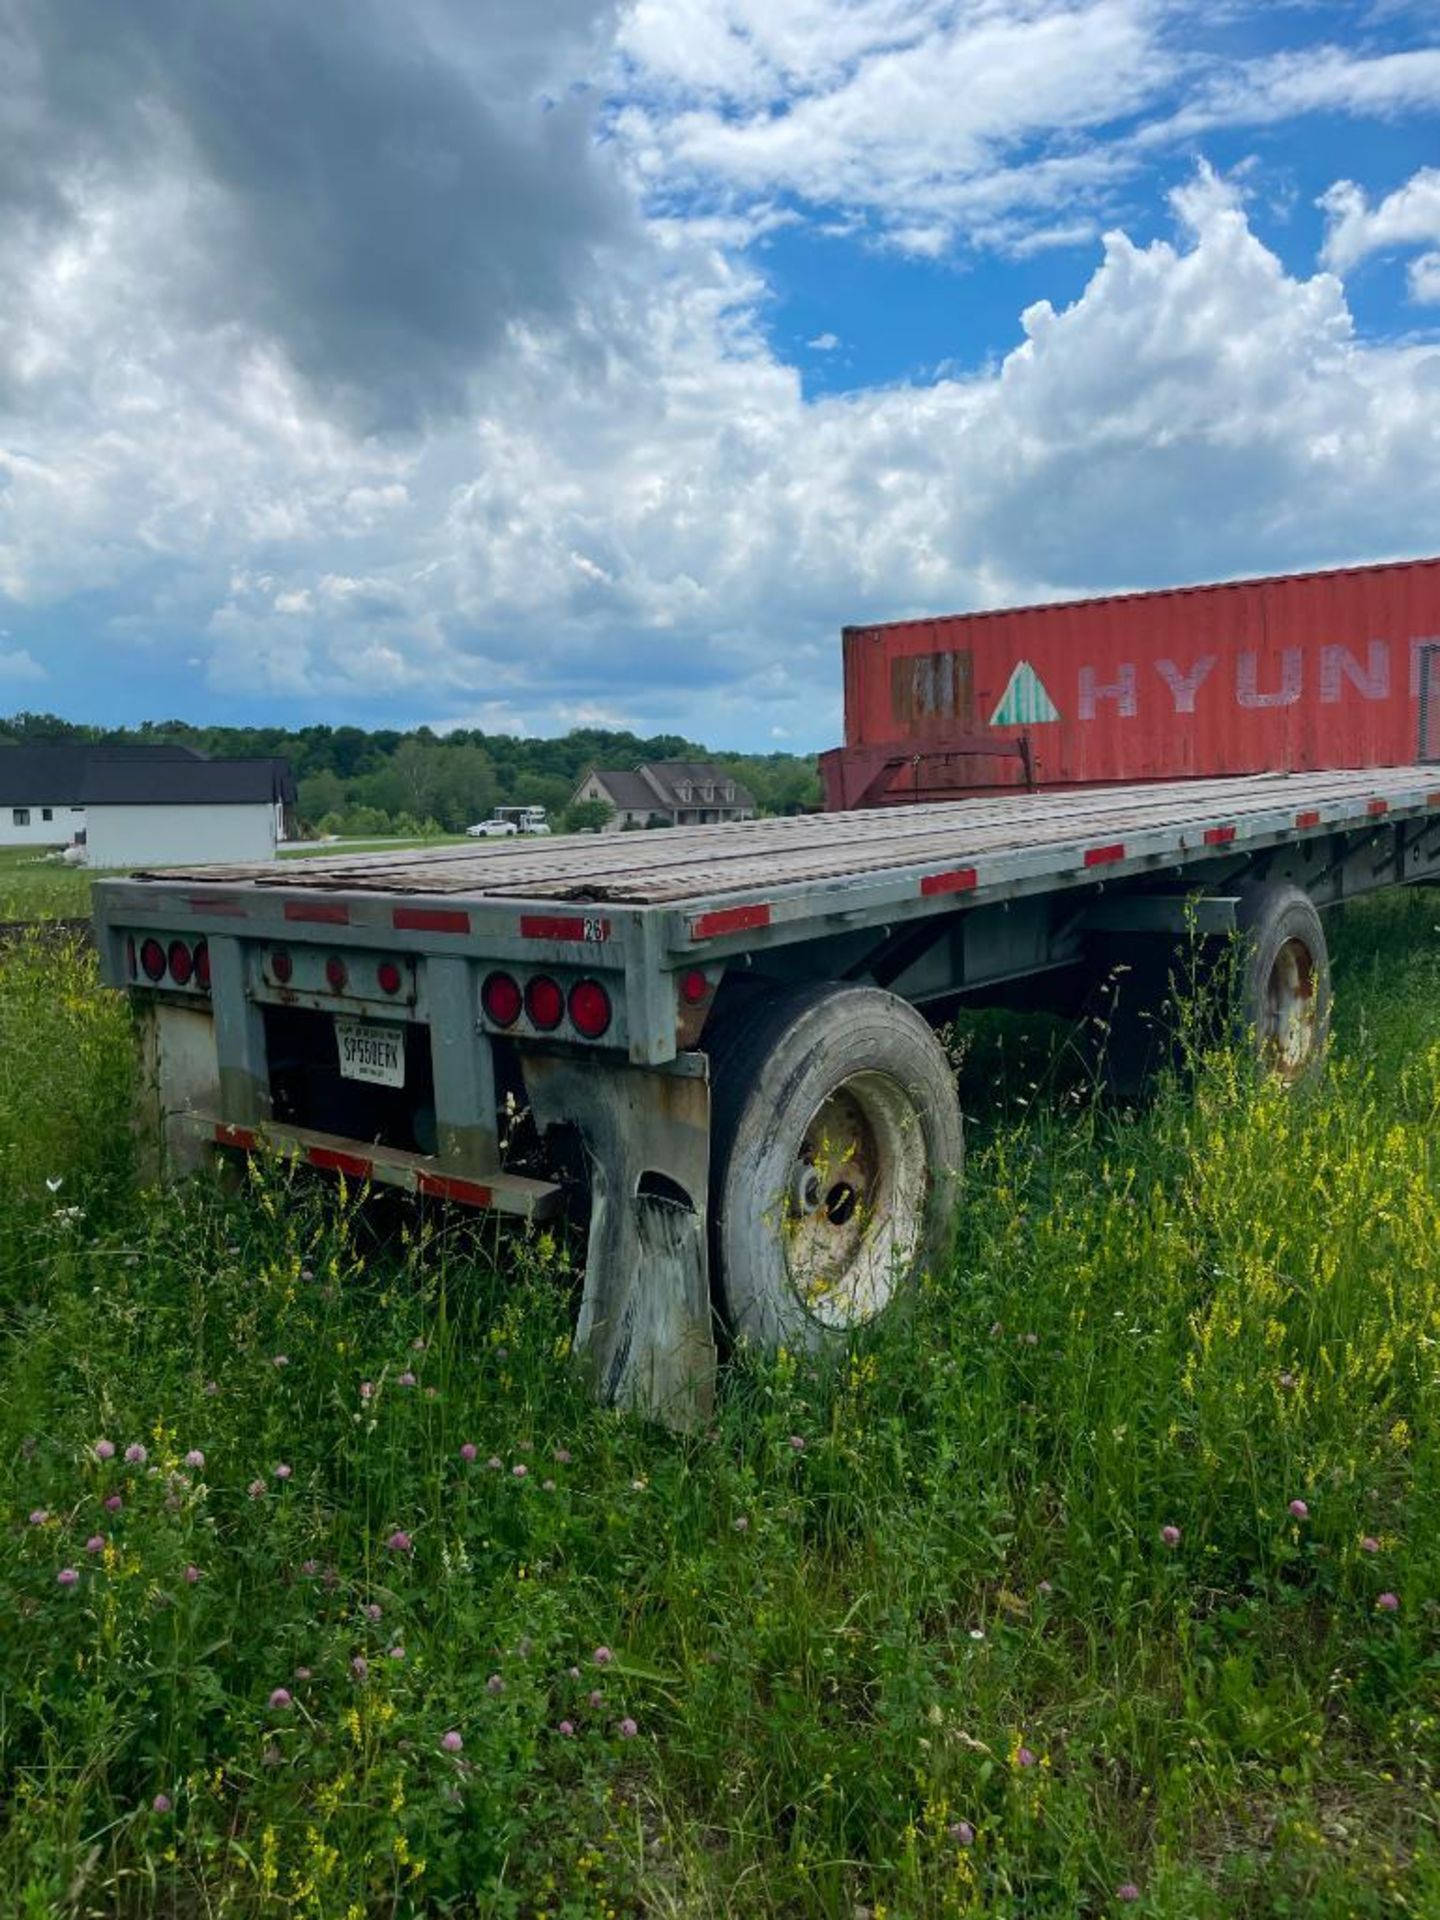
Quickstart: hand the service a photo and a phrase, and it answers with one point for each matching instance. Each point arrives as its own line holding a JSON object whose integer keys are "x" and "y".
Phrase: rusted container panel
{"x": 1301, "y": 672}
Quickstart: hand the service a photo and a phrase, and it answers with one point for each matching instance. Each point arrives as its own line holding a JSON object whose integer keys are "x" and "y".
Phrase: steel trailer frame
{"x": 934, "y": 903}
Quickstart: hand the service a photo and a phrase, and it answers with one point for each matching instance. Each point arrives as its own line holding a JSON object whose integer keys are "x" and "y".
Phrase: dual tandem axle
{"x": 735, "y": 1021}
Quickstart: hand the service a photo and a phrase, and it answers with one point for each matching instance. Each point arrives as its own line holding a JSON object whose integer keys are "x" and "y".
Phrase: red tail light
{"x": 500, "y": 997}
{"x": 152, "y": 960}
{"x": 694, "y": 987}
{"x": 390, "y": 977}
{"x": 282, "y": 966}
{"x": 181, "y": 964}
{"x": 202, "y": 964}
{"x": 589, "y": 1008}
{"x": 335, "y": 973}
{"x": 545, "y": 1003}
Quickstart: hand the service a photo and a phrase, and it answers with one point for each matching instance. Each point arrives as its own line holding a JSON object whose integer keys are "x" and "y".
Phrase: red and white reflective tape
{"x": 587, "y": 928}
{"x": 723, "y": 920}
{"x": 1104, "y": 856}
{"x": 358, "y": 1166}
{"x": 354, "y": 1166}
{"x": 956, "y": 880}
{"x": 322, "y": 913}
{"x": 449, "y": 1186}
{"x": 430, "y": 920}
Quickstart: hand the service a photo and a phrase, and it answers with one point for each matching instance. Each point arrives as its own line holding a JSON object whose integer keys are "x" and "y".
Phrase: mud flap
{"x": 178, "y": 1075}
{"x": 645, "y": 1336}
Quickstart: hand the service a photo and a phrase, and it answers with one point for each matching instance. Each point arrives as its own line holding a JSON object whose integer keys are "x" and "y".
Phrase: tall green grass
{"x": 34, "y": 888}
{"x": 902, "y": 1635}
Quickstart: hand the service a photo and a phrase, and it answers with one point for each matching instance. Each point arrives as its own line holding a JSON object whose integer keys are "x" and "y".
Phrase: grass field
{"x": 1106, "y": 1581}
{"x": 33, "y": 888}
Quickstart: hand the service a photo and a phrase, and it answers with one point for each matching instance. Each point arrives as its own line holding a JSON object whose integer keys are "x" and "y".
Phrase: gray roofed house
{"x": 162, "y": 783}
{"x": 669, "y": 793}
{"x": 57, "y": 775}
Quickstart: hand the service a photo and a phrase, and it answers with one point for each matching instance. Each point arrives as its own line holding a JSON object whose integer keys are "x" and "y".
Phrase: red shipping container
{"x": 1295, "y": 673}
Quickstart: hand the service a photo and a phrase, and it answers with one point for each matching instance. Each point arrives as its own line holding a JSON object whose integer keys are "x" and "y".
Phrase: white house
{"x": 40, "y": 796}
{"x": 142, "y": 806}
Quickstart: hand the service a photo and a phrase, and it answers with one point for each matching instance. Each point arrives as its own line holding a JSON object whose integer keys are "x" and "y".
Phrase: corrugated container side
{"x": 1306, "y": 671}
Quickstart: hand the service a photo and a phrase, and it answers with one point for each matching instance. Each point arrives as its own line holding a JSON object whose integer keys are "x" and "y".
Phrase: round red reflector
{"x": 500, "y": 997}
{"x": 181, "y": 964}
{"x": 202, "y": 964}
{"x": 282, "y": 966}
{"x": 694, "y": 987}
{"x": 152, "y": 959}
{"x": 544, "y": 1002}
{"x": 589, "y": 1008}
{"x": 335, "y": 973}
{"x": 390, "y": 977}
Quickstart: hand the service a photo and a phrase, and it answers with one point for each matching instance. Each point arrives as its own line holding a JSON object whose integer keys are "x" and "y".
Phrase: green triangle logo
{"x": 1024, "y": 703}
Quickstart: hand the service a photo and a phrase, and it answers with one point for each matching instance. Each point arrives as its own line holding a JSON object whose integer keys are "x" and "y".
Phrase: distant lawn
{"x": 315, "y": 850}
{"x": 33, "y": 888}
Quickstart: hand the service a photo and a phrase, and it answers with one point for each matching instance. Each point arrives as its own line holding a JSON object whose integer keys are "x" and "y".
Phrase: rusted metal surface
{"x": 882, "y": 776}
{"x": 758, "y": 857}
{"x": 1295, "y": 673}
{"x": 933, "y": 693}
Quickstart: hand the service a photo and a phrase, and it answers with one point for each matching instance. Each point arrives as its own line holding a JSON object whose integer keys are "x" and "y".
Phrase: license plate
{"x": 372, "y": 1053}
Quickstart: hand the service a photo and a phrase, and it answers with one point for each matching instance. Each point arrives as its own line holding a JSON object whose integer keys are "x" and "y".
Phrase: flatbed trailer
{"x": 735, "y": 1022}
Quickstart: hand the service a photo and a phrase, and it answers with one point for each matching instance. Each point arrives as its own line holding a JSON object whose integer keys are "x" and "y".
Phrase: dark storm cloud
{"x": 390, "y": 192}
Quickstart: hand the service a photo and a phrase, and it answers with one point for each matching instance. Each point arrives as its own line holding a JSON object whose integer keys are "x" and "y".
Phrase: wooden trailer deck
{"x": 1063, "y": 828}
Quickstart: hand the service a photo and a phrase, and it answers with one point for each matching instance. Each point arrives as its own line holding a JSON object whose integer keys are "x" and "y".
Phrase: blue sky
{"x": 596, "y": 361}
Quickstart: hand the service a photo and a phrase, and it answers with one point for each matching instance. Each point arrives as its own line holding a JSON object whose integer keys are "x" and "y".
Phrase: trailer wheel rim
{"x": 1291, "y": 1011}
{"x": 854, "y": 1215}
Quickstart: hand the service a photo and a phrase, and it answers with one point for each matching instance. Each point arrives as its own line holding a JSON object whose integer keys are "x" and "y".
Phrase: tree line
{"x": 352, "y": 780}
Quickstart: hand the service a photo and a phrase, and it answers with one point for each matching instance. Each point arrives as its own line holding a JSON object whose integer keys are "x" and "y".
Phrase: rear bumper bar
{"x": 387, "y": 1166}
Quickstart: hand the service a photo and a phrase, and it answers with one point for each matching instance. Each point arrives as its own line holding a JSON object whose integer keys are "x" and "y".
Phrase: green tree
{"x": 319, "y": 794}
{"x": 587, "y": 816}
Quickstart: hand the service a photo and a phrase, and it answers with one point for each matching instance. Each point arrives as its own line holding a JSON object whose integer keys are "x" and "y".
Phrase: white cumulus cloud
{"x": 615, "y": 497}
{"x": 1355, "y": 229}
{"x": 18, "y": 668}
{"x": 675, "y": 533}
{"x": 1424, "y": 278}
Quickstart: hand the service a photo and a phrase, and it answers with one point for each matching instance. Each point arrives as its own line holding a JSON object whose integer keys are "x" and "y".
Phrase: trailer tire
{"x": 1282, "y": 996}
{"x": 836, "y": 1152}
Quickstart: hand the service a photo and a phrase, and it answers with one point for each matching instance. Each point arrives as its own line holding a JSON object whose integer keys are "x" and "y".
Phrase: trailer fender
{"x": 644, "y": 1337}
